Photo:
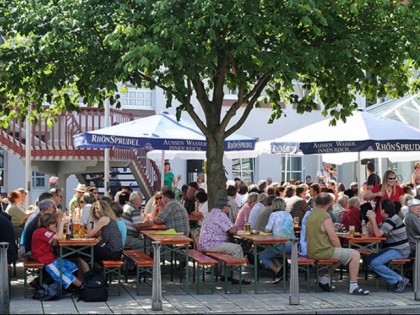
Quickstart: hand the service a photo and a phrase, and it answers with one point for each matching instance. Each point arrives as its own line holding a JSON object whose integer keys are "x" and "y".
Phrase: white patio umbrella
{"x": 158, "y": 132}
{"x": 363, "y": 135}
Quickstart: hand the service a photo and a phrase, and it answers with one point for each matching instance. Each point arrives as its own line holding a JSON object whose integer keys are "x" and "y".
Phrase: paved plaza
{"x": 270, "y": 299}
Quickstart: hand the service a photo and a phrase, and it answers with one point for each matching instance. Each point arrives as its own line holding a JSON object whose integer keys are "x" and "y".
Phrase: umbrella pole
{"x": 358, "y": 172}
{"x": 107, "y": 152}
{"x": 162, "y": 173}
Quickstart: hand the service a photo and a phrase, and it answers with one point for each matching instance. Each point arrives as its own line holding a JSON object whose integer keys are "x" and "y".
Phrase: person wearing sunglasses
{"x": 388, "y": 189}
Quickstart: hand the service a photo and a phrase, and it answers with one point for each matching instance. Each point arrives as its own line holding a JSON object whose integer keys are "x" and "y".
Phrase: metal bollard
{"x": 416, "y": 270}
{"x": 157, "y": 280}
{"x": 294, "y": 274}
{"x": 4, "y": 280}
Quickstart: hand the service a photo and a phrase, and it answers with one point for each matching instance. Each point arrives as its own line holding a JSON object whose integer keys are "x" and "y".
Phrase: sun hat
{"x": 22, "y": 190}
{"x": 81, "y": 188}
{"x": 53, "y": 180}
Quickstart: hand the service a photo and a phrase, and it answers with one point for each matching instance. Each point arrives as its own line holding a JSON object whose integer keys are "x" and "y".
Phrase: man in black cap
{"x": 189, "y": 199}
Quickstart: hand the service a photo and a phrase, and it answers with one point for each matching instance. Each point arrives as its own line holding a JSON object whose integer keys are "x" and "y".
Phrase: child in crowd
{"x": 46, "y": 235}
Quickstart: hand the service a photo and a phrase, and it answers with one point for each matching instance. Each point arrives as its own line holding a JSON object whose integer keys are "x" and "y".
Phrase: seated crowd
{"x": 320, "y": 209}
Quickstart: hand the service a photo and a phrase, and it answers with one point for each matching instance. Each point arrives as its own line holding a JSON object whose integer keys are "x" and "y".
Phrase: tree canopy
{"x": 58, "y": 51}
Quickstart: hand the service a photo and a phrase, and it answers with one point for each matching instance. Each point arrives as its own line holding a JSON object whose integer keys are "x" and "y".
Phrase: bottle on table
{"x": 365, "y": 231}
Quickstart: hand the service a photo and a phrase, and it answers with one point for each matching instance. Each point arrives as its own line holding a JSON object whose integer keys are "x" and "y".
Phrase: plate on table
{"x": 243, "y": 232}
{"x": 82, "y": 239}
{"x": 342, "y": 233}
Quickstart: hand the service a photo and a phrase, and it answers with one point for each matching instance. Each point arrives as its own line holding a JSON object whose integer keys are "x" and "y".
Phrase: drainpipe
{"x": 416, "y": 270}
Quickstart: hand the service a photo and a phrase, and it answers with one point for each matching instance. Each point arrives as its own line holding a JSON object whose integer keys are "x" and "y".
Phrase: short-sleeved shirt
{"x": 214, "y": 230}
{"x": 131, "y": 217}
{"x": 243, "y": 216}
{"x": 123, "y": 229}
{"x": 175, "y": 216}
{"x": 29, "y": 231}
{"x": 280, "y": 223}
{"x": 255, "y": 211}
{"x": 16, "y": 213}
{"x": 396, "y": 234}
{"x": 168, "y": 179}
{"x": 41, "y": 246}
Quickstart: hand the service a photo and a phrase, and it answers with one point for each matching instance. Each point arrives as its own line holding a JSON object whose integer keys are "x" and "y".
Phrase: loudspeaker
{"x": 366, "y": 161}
{"x": 195, "y": 166}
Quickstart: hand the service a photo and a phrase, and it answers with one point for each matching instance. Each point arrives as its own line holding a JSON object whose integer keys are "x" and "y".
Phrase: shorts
{"x": 343, "y": 255}
{"x": 68, "y": 268}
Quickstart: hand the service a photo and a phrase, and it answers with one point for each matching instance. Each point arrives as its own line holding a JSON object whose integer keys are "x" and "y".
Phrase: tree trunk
{"x": 216, "y": 180}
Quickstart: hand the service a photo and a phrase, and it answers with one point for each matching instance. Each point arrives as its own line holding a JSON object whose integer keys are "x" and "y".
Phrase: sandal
{"x": 360, "y": 291}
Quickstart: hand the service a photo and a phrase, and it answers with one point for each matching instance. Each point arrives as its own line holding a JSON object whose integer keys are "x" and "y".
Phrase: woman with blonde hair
{"x": 388, "y": 189}
{"x": 104, "y": 227}
{"x": 157, "y": 206}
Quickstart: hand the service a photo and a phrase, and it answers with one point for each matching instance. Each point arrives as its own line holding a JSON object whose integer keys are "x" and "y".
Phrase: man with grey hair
{"x": 257, "y": 208}
{"x": 133, "y": 220}
{"x": 340, "y": 206}
{"x": 243, "y": 215}
{"x": 214, "y": 234}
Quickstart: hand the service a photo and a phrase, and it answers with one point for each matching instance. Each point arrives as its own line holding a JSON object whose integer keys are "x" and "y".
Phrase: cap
{"x": 413, "y": 202}
{"x": 81, "y": 188}
{"x": 53, "y": 180}
{"x": 22, "y": 190}
{"x": 354, "y": 184}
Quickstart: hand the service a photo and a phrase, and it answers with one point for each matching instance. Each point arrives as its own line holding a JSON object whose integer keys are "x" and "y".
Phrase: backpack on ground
{"x": 94, "y": 287}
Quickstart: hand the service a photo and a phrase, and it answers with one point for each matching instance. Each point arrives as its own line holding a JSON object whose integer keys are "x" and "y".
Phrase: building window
{"x": 292, "y": 168}
{"x": 137, "y": 99}
{"x": 244, "y": 169}
{"x": 38, "y": 180}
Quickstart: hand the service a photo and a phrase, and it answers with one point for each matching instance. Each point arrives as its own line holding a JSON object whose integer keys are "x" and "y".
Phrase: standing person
{"x": 373, "y": 179}
{"x": 326, "y": 173}
{"x": 214, "y": 235}
{"x": 53, "y": 182}
{"x": 389, "y": 189}
{"x": 395, "y": 246}
{"x": 169, "y": 179}
{"x": 323, "y": 243}
{"x": 49, "y": 232}
{"x": 412, "y": 224}
{"x": 105, "y": 228}
{"x": 201, "y": 181}
{"x": 415, "y": 176}
{"x": 114, "y": 183}
{"x": 308, "y": 180}
{"x": 174, "y": 215}
{"x": 75, "y": 200}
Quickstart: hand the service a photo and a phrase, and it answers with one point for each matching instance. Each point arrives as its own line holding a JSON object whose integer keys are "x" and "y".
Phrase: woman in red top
{"x": 389, "y": 189}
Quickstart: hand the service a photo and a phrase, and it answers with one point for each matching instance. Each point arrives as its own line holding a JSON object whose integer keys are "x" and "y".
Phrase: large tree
{"x": 59, "y": 50}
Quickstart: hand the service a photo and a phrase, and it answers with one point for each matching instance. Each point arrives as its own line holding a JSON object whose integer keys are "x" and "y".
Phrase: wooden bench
{"x": 304, "y": 264}
{"x": 398, "y": 266}
{"x": 202, "y": 262}
{"x": 142, "y": 261}
{"x": 113, "y": 267}
{"x": 322, "y": 264}
{"x": 230, "y": 263}
{"x": 31, "y": 268}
